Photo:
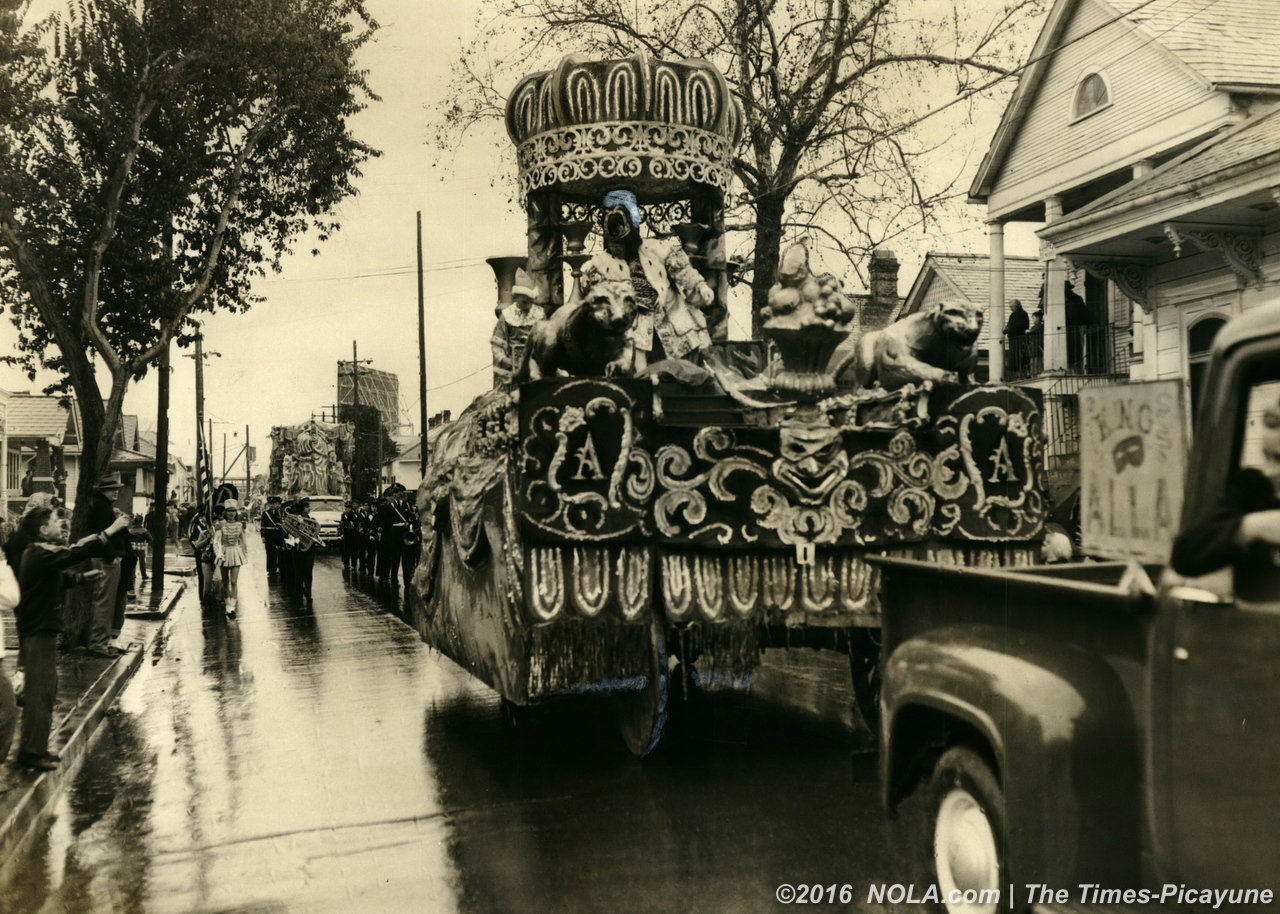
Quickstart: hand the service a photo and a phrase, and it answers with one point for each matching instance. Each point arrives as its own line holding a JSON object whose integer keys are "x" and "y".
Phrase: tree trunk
{"x": 90, "y": 447}
{"x": 98, "y": 425}
{"x": 769, "y": 212}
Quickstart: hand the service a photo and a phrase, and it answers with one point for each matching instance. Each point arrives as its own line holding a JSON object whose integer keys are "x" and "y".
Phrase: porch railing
{"x": 1096, "y": 351}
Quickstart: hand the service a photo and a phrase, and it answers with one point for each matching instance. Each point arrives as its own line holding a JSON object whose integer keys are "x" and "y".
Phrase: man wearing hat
{"x": 304, "y": 549}
{"x": 105, "y": 617}
{"x": 511, "y": 333}
{"x": 392, "y": 526}
{"x": 272, "y": 534}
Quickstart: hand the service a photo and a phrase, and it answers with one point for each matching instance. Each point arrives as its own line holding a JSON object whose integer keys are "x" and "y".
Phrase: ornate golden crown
{"x": 654, "y": 126}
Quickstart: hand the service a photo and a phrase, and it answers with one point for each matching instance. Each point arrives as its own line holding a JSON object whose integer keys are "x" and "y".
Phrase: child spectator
{"x": 44, "y": 562}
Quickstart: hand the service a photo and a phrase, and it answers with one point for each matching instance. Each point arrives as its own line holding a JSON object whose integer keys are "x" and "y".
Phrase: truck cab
{"x": 1075, "y": 736}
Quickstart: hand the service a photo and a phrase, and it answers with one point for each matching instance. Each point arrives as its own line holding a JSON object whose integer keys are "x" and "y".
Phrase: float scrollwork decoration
{"x": 585, "y": 475}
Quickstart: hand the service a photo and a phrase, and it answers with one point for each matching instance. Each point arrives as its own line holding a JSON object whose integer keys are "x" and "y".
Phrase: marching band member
{"x": 272, "y": 536}
{"x": 229, "y": 553}
{"x": 305, "y": 547}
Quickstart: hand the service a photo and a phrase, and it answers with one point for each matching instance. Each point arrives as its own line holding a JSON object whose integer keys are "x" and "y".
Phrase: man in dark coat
{"x": 1015, "y": 331}
{"x": 1244, "y": 530}
{"x": 272, "y": 535}
{"x": 392, "y": 525}
{"x": 106, "y": 609}
{"x": 411, "y": 541}
{"x": 370, "y": 543}
{"x": 303, "y": 547}
{"x": 349, "y": 536}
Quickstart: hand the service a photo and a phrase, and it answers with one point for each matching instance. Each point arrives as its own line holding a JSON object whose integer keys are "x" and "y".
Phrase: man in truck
{"x": 1245, "y": 528}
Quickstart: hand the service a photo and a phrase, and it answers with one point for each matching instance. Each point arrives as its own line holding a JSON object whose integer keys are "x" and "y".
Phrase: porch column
{"x": 42, "y": 468}
{"x": 995, "y": 350}
{"x": 1150, "y": 340}
{"x": 1055, "y": 299}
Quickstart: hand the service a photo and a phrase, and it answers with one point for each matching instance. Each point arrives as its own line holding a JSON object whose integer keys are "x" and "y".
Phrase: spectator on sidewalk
{"x": 17, "y": 542}
{"x": 140, "y": 541}
{"x": 45, "y": 563}
{"x": 95, "y": 623}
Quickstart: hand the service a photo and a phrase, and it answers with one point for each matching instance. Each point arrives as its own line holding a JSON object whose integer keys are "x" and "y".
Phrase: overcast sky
{"x": 278, "y": 362}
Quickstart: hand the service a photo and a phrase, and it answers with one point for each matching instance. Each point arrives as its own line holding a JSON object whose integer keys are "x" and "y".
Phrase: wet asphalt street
{"x": 321, "y": 758}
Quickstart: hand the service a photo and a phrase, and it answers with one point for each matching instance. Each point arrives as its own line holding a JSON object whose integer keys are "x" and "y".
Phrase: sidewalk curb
{"x": 21, "y": 813}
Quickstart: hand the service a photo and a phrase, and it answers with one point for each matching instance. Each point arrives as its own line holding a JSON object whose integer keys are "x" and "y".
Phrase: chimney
{"x": 882, "y": 300}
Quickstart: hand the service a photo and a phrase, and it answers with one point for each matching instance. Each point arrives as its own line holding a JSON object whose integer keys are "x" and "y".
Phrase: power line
{"x": 471, "y": 374}
{"x": 377, "y": 274}
{"x": 976, "y": 90}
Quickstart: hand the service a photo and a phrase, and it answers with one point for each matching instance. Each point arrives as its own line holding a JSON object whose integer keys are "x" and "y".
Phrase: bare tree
{"x": 832, "y": 92}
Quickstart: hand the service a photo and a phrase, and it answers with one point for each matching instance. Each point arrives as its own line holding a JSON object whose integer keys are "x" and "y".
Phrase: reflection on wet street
{"x": 321, "y": 758}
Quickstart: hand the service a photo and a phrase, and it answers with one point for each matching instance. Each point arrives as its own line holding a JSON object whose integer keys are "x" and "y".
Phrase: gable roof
{"x": 411, "y": 452}
{"x": 969, "y": 277}
{"x": 127, "y": 458}
{"x": 1231, "y": 44}
{"x": 1247, "y": 146}
{"x": 129, "y": 431}
{"x": 34, "y": 416}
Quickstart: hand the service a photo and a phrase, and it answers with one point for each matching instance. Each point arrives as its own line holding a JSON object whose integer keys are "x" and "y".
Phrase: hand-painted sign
{"x": 1132, "y": 466}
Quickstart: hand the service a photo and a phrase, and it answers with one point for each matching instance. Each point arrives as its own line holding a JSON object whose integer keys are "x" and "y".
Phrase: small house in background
{"x": 406, "y": 467}
{"x": 38, "y": 431}
{"x": 966, "y": 278}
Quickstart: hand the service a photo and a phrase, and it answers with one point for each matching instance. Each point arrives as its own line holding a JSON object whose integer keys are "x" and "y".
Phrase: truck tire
{"x": 642, "y": 714}
{"x": 963, "y": 834}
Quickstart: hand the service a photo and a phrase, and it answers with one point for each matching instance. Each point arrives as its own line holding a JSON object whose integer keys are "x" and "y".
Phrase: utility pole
{"x": 248, "y": 472}
{"x": 203, "y": 459}
{"x": 161, "y": 493}
{"x": 355, "y": 377}
{"x": 422, "y": 362}
{"x": 355, "y": 409}
{"x": 201, "y": 469}
{"x": 223, "y": 478}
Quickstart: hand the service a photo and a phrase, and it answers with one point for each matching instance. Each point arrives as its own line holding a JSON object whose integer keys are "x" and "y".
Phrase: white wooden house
{"x": 1120, "y": 125}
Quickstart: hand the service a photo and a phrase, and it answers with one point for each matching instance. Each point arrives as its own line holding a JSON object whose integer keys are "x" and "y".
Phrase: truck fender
{"x": 1059, "y": 729}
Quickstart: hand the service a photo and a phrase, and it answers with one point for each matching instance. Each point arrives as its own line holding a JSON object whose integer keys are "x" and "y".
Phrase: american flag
{"x": 204, "y": 485}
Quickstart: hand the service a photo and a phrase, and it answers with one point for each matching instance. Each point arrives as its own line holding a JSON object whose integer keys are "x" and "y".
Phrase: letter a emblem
{"x": 588, "y": 462}
{"x": 1001, "y": 462}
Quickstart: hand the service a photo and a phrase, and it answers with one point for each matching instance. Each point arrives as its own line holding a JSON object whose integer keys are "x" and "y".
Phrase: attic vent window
{"x": 1092, "y": 95}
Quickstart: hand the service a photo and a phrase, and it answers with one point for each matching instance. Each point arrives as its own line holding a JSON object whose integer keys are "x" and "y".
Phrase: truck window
{"x": 1257, "y": 485}
{"x": 1263, "y": 397}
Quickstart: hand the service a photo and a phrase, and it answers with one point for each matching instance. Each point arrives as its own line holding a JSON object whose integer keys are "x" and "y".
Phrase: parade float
{"x": 314, "y": 460}
{"x": 640, "y": 501}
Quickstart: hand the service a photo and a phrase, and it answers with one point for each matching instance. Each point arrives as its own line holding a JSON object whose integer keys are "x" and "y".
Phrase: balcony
{"x": 1095, "y": 351}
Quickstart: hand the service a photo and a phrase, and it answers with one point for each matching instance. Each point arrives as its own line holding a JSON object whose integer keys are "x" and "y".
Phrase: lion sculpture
{"x": 588, "y": 337}
{"x": 936, "y": 344}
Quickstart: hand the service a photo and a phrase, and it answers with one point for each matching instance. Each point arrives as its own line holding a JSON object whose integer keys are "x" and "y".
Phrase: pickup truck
{"x": 1078, "y": 737}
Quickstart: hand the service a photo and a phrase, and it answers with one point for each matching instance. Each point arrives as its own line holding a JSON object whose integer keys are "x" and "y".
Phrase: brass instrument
{"x": 292, "y": 526}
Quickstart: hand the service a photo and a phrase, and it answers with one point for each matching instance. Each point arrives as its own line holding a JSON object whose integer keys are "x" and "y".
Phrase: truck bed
{"x": 1085, "y": 609}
